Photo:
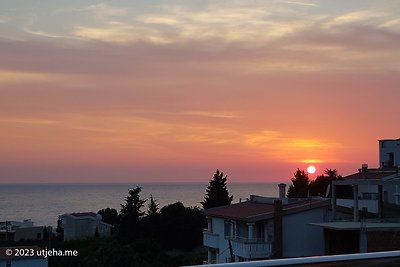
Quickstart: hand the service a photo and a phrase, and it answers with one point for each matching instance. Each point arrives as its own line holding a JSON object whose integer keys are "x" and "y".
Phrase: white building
{"x": 14, "y": 261}
{"x": 263, "y": 228}
{"x": 389, "y": 153}
{"x": 8, "y": 228}
{"x": 83, "y": 225}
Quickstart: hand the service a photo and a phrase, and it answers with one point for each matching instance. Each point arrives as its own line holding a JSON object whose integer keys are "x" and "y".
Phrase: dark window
{"x": 390, "y": 161}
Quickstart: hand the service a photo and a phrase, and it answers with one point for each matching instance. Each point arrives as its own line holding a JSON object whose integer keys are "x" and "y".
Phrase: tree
{"x": 152, "y": 207}
{"x": 130, "y": 215}
{"x": 216, "y": 193}
{"x": 109, "y": 215}
{"x": 319, "y": 186}
{"x": 180, "y": 227}
{"x": 300, "y": 183}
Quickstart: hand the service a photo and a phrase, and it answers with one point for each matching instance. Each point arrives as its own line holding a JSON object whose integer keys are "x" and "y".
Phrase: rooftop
{"x": 84, "y": 214}
{"x": 253, "y": 211}
{"x": 373, "y": 174}
{"x": 347, "y": 225}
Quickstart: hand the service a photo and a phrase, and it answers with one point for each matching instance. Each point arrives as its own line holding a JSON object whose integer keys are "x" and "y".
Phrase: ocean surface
{"x": 43, "y": 203}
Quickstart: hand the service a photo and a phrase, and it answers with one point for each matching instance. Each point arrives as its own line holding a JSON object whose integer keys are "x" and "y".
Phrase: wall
{"x": 389, "y": 146}
{"x": 383, "y": 241}
{"x": 218, "y": 227}
{"x": 300, "y": 238}
{"x": 29, "y": 233}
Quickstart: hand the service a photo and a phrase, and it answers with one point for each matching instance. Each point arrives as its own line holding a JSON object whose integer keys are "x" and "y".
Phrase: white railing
{"x": 210, "y": 239}
{"x": 371, "y": 205}
{"x": 381, "y": 259}
{"x": 254, "y": 248}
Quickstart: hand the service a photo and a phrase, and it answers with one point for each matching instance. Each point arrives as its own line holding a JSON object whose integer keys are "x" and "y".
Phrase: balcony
{"x": 251, "y": 248}
{"x": 210, "y": 239}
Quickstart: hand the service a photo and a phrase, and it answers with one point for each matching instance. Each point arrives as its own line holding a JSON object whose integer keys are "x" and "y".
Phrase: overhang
{"x": 351, "y": 226}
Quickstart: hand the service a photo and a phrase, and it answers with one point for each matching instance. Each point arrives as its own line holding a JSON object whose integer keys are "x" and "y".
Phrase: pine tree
{"x": 152, "y": 207}
{"x": 131, "y": 214}
{"x": 133, "y": 205}
{"x": 299, "y": 189}
{"x": 216, "y": 193}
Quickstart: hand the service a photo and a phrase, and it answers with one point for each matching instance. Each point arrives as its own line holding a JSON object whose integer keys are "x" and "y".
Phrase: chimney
{"x": 277, "y": 248}
{"x": 282, "y": 190}
{"x": 364, "y": 168}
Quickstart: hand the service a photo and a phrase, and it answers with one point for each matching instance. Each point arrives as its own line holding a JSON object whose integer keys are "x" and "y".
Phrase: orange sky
{"x": 113, "y": 92}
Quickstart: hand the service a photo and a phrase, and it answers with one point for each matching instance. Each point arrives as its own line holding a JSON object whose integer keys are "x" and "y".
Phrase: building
{"x": 374, "y": 221}
{"x": 24, "y": 230}
{"x": 263, "y": 228}
{"x": 82, "y": 225}
{"x": 7, "y": 260}
{"x": 33, "y": 233}
{"x": 389, "y": 153}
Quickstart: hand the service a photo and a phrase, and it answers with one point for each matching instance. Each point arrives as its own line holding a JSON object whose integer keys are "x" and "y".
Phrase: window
{"x": 230, "y": 228}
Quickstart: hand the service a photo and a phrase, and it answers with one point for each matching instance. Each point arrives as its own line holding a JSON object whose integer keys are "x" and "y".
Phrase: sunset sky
{"x": 150, "y": 91}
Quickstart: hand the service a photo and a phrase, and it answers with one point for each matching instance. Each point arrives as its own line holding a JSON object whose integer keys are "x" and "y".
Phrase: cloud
{"x": 299, "y": 3}
{"x": 10, "y": 77}
{"x": 105, "y": 10}
{"x": 393, "y": 24}
{"x": 50, "y": 35}
{"x": 4, "y": 19}
{"x": 219, "y": 115}
{"x": 291, "y": 149}
{"x": 360, "y": 17}
{"x": 118, "y": 32}
{"x": 26, "y": 120}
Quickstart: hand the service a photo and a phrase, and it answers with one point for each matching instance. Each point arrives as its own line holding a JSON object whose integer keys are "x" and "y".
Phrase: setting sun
{"x": 311, "y": 169}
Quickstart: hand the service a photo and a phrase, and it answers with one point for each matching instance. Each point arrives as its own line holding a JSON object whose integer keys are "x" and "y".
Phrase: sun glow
{"x": 311, "y": 169}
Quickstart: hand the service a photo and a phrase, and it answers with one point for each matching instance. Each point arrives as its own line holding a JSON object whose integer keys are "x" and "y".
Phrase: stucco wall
{"x": 300, "y": 238}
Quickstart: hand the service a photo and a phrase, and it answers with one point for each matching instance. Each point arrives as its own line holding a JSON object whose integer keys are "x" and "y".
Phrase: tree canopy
{"x": 319, "y": 186}
{"x": 300, "y": 184}
{"x": 217, "y": 193}
{"x": 131, "y": 213}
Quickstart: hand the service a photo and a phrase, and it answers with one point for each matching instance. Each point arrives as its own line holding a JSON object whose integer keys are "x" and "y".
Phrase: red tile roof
{"x": 241, "y": 210}
{"x": 84, "y": 214}
{"x": 250, "y": 210}
{"x": 371, "y": 174}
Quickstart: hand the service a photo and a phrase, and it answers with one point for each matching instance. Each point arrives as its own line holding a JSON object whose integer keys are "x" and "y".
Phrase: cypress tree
{"x": 216, "y": 193}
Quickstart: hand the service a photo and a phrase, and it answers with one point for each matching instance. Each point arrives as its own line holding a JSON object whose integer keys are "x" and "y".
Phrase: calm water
{"x": 44, "y": 202}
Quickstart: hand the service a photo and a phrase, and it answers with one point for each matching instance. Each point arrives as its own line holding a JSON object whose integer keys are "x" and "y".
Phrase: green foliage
{"x": 132, "y": 209}
{"x": 319, "y": 185}
{"x": 180, "y": 227}
{"x": 216, "y": 193}
{"x": 152, "y": 207}
{"x": 302, "y": 187}
{"x": 130, "y": 216}
{"x": 109, "y": 216}
{"x": 300, "y": 183}
{"x": 162, "y": 238}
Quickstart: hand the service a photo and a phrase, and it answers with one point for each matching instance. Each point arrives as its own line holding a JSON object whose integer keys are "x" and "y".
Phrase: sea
{"x": 43, "y": 203}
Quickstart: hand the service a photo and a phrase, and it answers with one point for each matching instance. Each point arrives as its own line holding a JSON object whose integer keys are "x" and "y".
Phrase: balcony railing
{"x": 254, "y": 248}
{"x": 210, "y": 239}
